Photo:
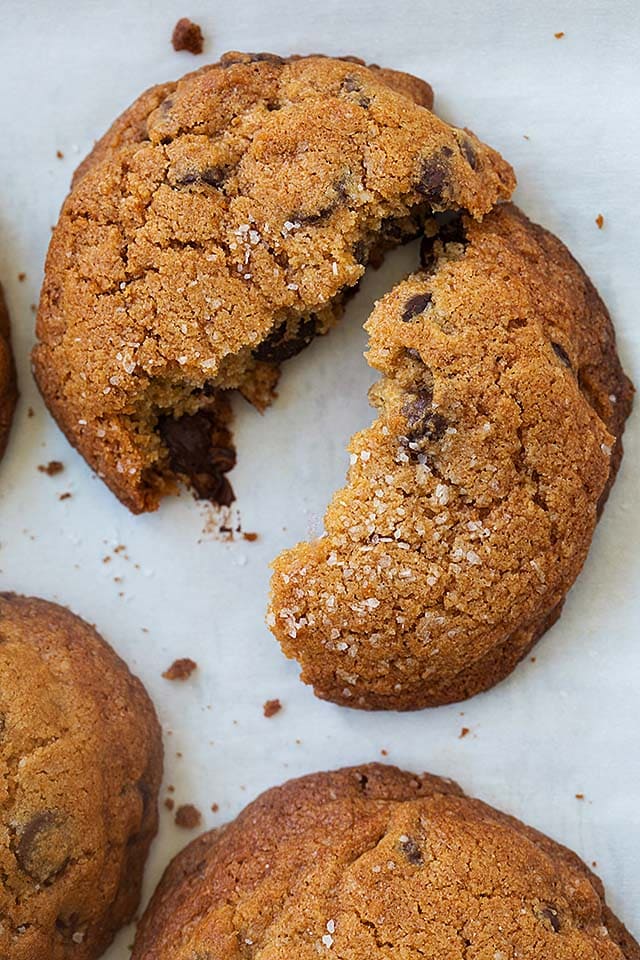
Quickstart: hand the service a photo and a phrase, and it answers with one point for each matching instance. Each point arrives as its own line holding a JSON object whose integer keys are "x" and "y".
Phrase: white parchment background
{"x": 565, "y": 112}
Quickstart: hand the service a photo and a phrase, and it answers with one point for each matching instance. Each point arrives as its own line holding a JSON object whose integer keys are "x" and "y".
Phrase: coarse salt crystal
{"x": 442, "y": 493}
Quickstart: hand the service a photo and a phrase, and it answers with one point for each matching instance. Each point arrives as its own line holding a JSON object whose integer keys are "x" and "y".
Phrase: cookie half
{"x": 80, "y": 770}
{"x": 8, "y": 385}
{"x": 213, "y": 232}
{"x": 472, "y": 499}
{"x": 371, "y": 862}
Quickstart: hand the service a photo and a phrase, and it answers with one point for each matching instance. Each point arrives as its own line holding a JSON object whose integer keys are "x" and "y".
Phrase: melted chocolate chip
{"x": 414, "y": 354}
{"x": 40, "y": 852}
{"x": 411, "y": 851}
{"x": 561, "y": 354}
{"x": 211, "y": 176}
{"x": 360, "y": 252}
{"x": 201, "y": 450}
{"x": 434, "y": 176}
{"x": 425, "y": 424}
{"x": 351, "y": 84}
{"x": 418, "y": 410}
{"x": 451, "y": 229}
{"x": 415, "y": 306}
{"x": 550, "y": 914}
{"x": 280, "y": 346}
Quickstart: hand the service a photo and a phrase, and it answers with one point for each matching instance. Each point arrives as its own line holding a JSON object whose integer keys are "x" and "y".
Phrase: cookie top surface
{"x": 472, "y": 499}
{"x": 246, "y": 196}
{"x": 372, "y": 862}
{"x": 8, "y": 388}
{"x": 80, "y": 769}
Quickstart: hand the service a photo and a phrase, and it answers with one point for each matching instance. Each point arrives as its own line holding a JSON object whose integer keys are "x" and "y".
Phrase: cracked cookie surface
{"x": 8, "y": 387}
{"x": 371, "y": 862}
{"x": 472, "y": 499}
{"x": 80, "y": 770}
{"x": 215, "y": 230}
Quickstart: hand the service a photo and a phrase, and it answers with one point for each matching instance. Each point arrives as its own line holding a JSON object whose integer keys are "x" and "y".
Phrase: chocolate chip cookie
{"x": 8, "y": 388}
{"x": 213, "y": 232}
{"x": 472, "y": 499}
{"x": 371, "y": 862}
{"x": 80, "y": 770}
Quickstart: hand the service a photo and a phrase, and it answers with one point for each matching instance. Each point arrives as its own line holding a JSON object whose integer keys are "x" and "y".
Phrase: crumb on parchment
{"x": 180, "y": 669}
{"x": 187, "y": 36}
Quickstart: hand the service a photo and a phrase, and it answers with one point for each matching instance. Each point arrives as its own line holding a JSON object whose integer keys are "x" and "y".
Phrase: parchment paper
{"x": 564, "y": 111}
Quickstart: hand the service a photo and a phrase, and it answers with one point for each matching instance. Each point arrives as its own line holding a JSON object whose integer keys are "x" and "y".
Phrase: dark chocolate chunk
{"x": 281, "y": 344}
{"x": 214, "y": 176}
{"x": 211, "y": 176}
{"x": 40, "y": 851}
{"x": 451, "y": 229}
{"x": 562, "y": 354}
{"x": 201, "y": 450}
{"x": 411, "y": 851}
{"x": 425, "y": 424}
{"x": 353, "y": 85}
{"x": 417, "y": 410}
{"x": 434, "y": 175}
{"x": 550, "y": 914}
{"x": 415, "y": 306}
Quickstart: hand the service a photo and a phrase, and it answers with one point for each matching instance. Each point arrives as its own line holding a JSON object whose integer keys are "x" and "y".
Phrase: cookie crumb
{"x": 215, "y": 807}
{"x": 579, "y": 796}
{"x": 271, "y": 707}
{"x": 464, "y": 733}
{"x": 180, "y": 669}
{"x": 384, "y": 753}
{"x": 169, "y": 803}
{"x": 533, "y": 659}
{"x": 188, "y": 816}
{"x": 600, "y": 221}
{"x": 187, "y": 35}
{"x": 30, "y": 412}
{"x": 251, "y": 537}
{"x": 52, "y": 469}
{"x": 559, "y": 35}
{"x": 65, "y": 496}
{"x": 59, "y": 154}
{"x": 22, "y": 277}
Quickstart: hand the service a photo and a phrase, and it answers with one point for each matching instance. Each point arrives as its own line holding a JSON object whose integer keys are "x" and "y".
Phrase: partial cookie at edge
{"x": 80, "y": 770}
{"x": 360, "y": 861}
